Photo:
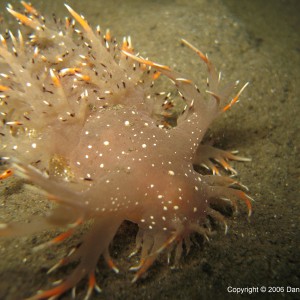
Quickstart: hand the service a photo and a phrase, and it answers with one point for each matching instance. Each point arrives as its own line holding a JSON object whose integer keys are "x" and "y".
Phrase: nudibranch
{"x": 83, "y": 121}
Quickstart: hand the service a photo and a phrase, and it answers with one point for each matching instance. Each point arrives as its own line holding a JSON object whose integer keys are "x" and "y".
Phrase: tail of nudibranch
{"x": 53, "y": 77}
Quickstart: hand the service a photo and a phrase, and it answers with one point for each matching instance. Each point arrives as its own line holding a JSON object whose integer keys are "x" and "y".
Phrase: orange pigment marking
{"x": 7, "y": 173}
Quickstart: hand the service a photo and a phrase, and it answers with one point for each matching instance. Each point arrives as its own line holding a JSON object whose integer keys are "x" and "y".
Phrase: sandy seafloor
{"x": 256, "y": 41}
